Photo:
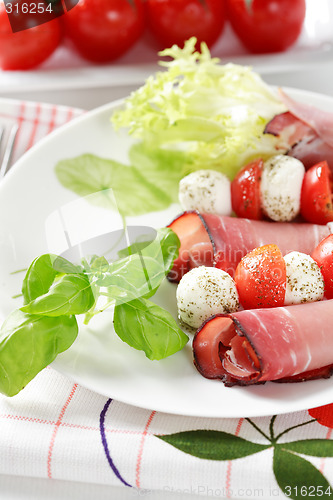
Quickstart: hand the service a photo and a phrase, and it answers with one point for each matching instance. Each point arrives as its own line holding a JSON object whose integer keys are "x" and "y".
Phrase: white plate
{"x": 67, "y": 70}
{"x": 30, "y": 199}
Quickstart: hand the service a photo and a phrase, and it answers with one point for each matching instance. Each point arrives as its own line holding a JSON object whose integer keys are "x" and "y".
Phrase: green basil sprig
{"x": 28, "y": 343}
{"x": 42, "y": 273}
{"x": 70, "y": 294}
{"x": 55, "y": 291}
{"x": 148, "y": 327}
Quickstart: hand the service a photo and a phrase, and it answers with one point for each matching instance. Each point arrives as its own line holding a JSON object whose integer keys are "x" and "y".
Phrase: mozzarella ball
{"x": 305, "y": 283}
{"x": 280, "y": 188}
{"x": 207, "y": 191}
{"x": 330, "y": 227}
{"x": 203, "y": 292}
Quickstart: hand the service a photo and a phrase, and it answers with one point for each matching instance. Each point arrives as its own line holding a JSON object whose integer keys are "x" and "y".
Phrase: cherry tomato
{"x": 316, "y": 195}
{"x": 174, "y": 21}
{"x": 261, "y": 278}
{"x": 28, "y": 48}
{"x": 103, "y": 30}
{"x": 245, "y": 191}
{"x": 266, "y": 25}
{"x": 323, "y": 255}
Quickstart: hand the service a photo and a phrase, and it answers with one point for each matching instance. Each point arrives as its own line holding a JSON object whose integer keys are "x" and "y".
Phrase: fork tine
{"x": 8, "y": 151}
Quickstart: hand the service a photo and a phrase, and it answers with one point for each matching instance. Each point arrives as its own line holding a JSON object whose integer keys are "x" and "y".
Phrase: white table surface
{"x": 317, "y": 78}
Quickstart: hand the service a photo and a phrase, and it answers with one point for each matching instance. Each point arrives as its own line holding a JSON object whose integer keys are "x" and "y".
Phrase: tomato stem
{"x": 204, "y": 4}
{"x": 248, "y": 4}
{"x": 132, "y": 4}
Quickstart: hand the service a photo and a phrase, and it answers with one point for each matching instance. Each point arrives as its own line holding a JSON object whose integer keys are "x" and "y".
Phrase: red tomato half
{"x": 323, "y": 255}
{"x": 261, "y": 278}
{"x": 29, "y": 48}
{"x": 267, "y": 25}
{"x": 174, "y": 21}
{"x": 316, "y": 196}
{"x": 245, "y": 191}
{"x": 103, "y": 30}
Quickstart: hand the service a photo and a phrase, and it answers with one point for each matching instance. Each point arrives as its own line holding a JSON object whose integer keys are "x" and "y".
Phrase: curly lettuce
{"x": 216, "y": 113}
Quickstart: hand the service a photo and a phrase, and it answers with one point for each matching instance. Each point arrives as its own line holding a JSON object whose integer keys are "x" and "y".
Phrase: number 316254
{"x": 28, "y": 8}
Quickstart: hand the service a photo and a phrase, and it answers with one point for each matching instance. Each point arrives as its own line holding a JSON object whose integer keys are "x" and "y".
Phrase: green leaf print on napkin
{"x": 295, "y": 475}
{"x": 213, "y": 445}
{"x": 312, "y": 447}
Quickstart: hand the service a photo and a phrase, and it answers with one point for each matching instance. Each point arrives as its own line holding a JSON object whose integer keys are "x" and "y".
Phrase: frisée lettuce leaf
{"x": 216, "y": 113}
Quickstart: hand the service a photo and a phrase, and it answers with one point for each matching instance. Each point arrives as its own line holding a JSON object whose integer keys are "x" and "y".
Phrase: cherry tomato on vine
{"x": 27, "y": 48}
{"x": 266, "y": 25}
{"x": 323, "y": 255}
{"x": 260, "y": 278}
{"x": 316, "y": 195}
{"x": 174, "y": 21}
{"x": 245, "y": 191}
{"x": 103, "y": 30}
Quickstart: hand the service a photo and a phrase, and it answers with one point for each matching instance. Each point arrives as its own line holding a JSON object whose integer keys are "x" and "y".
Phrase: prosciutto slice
{"x": 286, "y": 344}
{"x": 305, "y": 131}
{"x": 289, "y": 129}
{"x": 318, "y": 120}
{"x": 220, "y": 241}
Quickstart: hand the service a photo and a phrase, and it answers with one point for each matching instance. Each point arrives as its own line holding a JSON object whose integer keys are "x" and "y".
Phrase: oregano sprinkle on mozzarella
{"x": 203, "y": 292}
{"x": 207, "y": 191}
{"x": 281, "y": 185}
{"x": 305, "y": 282}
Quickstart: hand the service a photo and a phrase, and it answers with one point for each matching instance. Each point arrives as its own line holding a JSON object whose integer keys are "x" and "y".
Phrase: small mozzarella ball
{"x": 305, "y": 283}
{"x": 203, "y": 292}
{"x": 280, "y": 188}
{"x": 207, "y": 191}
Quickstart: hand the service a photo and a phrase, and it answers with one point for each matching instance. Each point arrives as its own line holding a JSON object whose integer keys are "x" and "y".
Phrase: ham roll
{"x": 285, "y": 344}
{"x": 307, "y": 132}
{"x": 221, "y": 241}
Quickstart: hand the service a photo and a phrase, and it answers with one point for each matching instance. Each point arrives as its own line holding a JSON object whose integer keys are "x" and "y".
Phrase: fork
{"x": 8, "y": 151}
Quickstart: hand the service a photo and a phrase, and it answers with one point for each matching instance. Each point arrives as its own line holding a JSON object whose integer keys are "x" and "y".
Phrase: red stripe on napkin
{"x": 55, "y": 430}
{"x": 229, "y": 468}
{"x": 140, "y": 452}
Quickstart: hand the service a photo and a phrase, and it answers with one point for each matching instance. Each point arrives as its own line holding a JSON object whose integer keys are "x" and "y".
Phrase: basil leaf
{"x": 98, "y": 264}
{"x": 109, "y": 181}
{"x": 155, "y": 173}
{"x": 141, "y": 273}
{"x": 170, "y": 245}
{"x": 135, "y": 247}
{"x": 149, "y": 328}
{"x": 163, "y": 167}
{"x": 133, "y": 277}
{"x": 64, "y": 266}
{"x": 71, "y": 294}
{"x": 39, "y": 277}
{"x": 28, "y": 343}
{"x": 42, "y": 273}
{"x": 166, "y": 242}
